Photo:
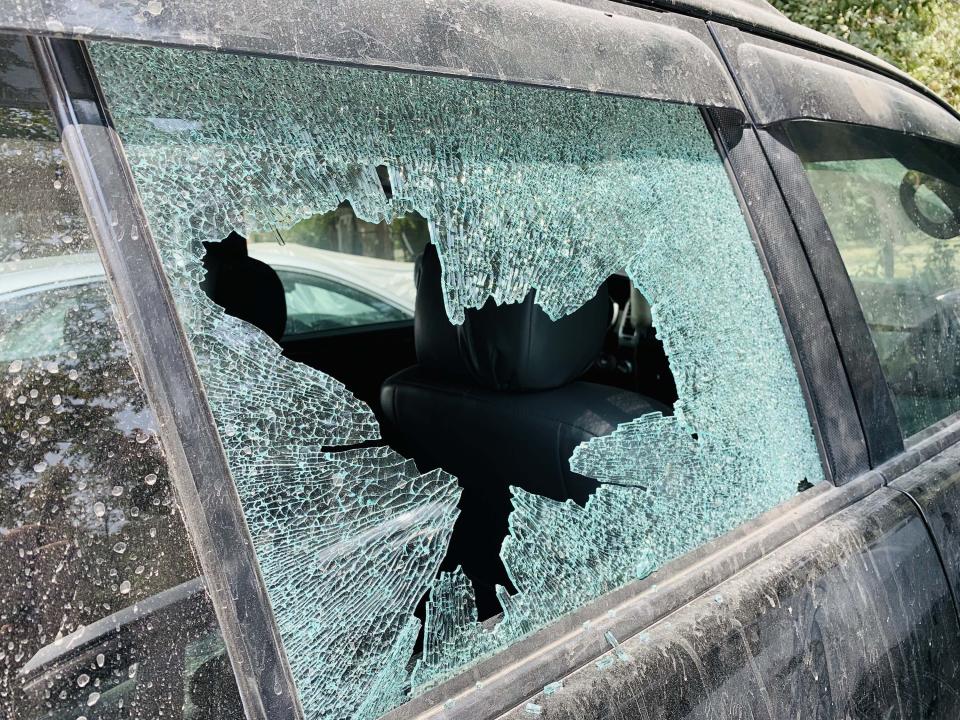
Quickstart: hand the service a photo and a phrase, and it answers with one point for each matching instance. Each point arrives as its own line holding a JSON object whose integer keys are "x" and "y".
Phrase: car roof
{"x": 763, "y": 18}
{"x": 579, "y": 44}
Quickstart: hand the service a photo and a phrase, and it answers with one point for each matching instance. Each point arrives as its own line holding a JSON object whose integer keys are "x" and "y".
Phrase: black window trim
{"x": 859, "y": 354}
{"x": 874, "y": 404}
{"x": 892, "y": 455}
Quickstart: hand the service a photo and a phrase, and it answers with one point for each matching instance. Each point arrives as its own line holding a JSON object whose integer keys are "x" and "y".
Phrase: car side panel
{"x": 935, "y": 487}
{"x": 853, "y": 619}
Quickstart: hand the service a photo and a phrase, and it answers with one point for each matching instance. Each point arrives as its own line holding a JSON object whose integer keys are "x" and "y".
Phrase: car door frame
{"x": 164, "y": 363}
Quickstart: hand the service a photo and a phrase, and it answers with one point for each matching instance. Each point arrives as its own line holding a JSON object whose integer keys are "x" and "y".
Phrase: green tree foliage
{"x": 922, "y": 37}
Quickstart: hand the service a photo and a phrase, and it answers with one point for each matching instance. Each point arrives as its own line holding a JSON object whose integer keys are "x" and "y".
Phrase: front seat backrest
{"x": 245, "y": 288}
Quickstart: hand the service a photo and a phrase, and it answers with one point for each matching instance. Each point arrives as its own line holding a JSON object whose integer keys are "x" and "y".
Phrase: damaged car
{"x": 472, "y": 360}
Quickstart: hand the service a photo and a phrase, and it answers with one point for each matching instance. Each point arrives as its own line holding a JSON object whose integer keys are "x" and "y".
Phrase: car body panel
{"x": 761, "y": 18}
{"x": 934, "y": 485}
{"x": 853, "y": 619}
{"x": 361, "y": 32}
{"x": 639, "y": 53}
{"x": 781, "y": 82}
{"x": 28, "y": 276}
{"x": 937, "y": 494}
{"x": 388, "y": 280}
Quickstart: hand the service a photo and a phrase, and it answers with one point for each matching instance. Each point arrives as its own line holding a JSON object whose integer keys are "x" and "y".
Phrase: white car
{"x": 324, "y": 291}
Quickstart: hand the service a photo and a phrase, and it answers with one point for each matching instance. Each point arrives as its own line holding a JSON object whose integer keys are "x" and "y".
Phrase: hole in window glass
{"x": 892, "y": 202}
{"x": 340, "y": 272}
{"x": 102, "y": 612}
{"x": 596, "y": 380}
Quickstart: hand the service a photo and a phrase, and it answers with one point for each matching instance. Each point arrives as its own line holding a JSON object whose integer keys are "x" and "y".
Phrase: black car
{"x": 672, "y": 432}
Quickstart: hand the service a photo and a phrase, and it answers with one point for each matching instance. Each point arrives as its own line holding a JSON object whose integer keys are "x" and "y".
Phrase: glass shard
{"x": 737, "y": 444}
{"x": 348, "y": 541}
{"x": 474, "y": 159}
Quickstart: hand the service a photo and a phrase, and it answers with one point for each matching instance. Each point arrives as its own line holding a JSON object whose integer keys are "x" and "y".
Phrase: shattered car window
{"x": 524, "y": 190}
{"x": 103, "y": 613}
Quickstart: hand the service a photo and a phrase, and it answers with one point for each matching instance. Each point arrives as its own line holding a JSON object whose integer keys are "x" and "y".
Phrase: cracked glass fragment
{"x": 328, "y": 526}
{"x": 622, "y": 655}
{"x": 523, "y": 189}
{"x": 348, "y": 540}
{"x": 737, "y": 444}
{"x": 553, "y": 688}
{"x": 479, "y": 177}
{"x": 605, "y": 662}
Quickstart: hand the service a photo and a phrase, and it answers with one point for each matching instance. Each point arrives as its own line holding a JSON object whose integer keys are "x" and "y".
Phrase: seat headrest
{"x": 511, "y": 347}
{"x": 245, "y": 288}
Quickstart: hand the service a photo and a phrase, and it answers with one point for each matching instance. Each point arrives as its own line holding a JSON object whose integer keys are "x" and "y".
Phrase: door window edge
{"x": 834, "y": 404}
{"x": 858, "y": 353}
{"x": 871, "y": 397}
{"x": 720, "y": 125}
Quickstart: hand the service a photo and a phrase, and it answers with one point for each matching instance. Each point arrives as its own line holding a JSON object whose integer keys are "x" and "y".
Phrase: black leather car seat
{"x": 244, "y": 287}
{"x": 496, "y": 402}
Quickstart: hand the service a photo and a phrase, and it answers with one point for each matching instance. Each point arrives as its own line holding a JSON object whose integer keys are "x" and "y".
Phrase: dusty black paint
{"x": 935, "y": 486}
{"x": 853, "y": 619}
{"x": 782, "y": 82}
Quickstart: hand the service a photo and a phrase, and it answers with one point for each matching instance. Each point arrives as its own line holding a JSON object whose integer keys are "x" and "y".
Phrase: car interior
{"x": 501, "y": 400}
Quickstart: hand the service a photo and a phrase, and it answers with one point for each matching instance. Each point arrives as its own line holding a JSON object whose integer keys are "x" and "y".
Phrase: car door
{"x": 738, "y": 655}
{"x": 823, "y": 601}
{"x": 855, "y": 154}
